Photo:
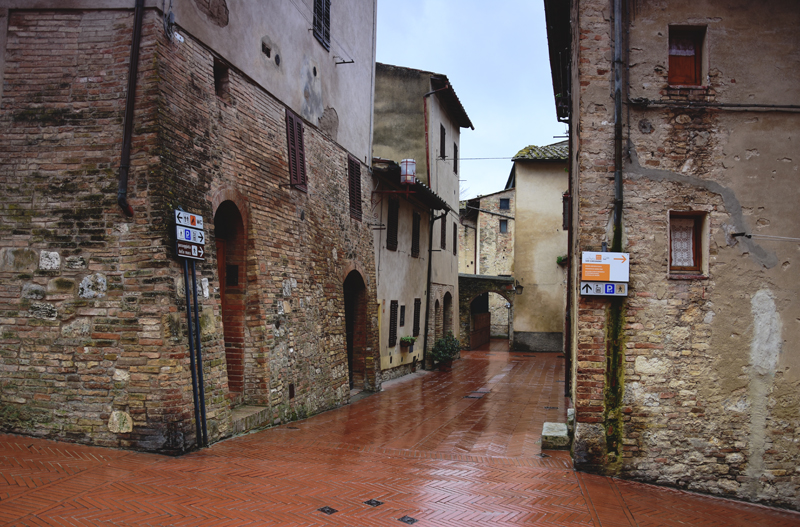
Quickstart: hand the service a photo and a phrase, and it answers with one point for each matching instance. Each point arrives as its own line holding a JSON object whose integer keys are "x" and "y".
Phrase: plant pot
{"x": 446, "y": 365}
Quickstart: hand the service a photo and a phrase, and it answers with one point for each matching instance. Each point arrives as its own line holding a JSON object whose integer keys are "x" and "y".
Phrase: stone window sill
{"x": 687, "y": 276}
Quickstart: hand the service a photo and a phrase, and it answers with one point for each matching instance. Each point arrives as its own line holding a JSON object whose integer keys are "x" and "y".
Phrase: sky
{"x": 495, "y": 56}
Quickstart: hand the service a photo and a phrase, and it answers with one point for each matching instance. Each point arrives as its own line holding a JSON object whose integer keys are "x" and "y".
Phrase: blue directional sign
{"x": 187, "y": 234}
{"x": 604, "y": 289}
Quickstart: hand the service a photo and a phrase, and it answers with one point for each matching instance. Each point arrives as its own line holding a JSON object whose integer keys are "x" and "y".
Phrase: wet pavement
{"x": 453, "y": 448}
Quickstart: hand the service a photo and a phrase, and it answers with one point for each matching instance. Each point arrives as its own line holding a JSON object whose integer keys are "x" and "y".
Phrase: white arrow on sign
{"x": 191, "y": 250}
{"x": 190, "y": 220}
{"x": 187, "y": 234}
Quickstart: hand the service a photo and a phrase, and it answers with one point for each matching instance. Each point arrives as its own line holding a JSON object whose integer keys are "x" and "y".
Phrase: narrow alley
{"x": 434, "y": 448}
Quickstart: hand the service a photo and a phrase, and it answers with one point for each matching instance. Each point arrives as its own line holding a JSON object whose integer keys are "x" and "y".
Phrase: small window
{"x": 455, "y": 238}
{"x": 354, "y": 179}
{"x": 444, "y": 234}
{"x": 415, "y": 235}
{"x": 442, "y": 142}
{"x": 417, "y": 306}
{"x": 402, "y": 316}
{"x": 391, "y": 224}
{"x": 503, "y": 226}
{"x": 505, "y": 203}
{"x": 322, "y": 22}
{"x": 686, "y": 243}
{"x": 686, "y": 56}
{"x": 222, "y": 84}
{"x": 455, "y": 158}
{"x": 393, "y": 323}
{"x": 297, "y": 156}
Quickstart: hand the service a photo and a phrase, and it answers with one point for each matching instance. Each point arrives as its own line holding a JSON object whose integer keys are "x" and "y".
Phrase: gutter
{"x": 130, "y": 100}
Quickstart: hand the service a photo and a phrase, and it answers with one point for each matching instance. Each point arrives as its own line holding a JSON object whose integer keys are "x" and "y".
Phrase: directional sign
{"x": 185, "y": 234}
{"x": 604, "y": 289}
{"x": 605, "y": 267}
{"x": 190, "y": 220}
{"x": 191, "y": 250}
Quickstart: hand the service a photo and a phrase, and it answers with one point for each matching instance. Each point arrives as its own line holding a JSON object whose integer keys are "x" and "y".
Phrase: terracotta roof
{"x": 390, "y": 171}
{"x": 554, "y": 152}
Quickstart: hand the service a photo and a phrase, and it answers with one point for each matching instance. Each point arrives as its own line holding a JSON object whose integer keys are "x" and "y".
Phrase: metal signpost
{"x": 190, "y": 245}
{"x": 605, "y": 274}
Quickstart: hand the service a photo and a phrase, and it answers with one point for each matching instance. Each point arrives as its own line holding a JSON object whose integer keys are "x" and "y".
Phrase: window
{"x": 222, "y": 83}
{"x": 505, "y": 203}
{"x": 455, "y": 158}
{"x": 354, "y": 179}
{"x": 393, "y": 323}
{"x": 415, "y": 235}
{"x": 686, "y": 242}
{"x": 685, "y": 55}
{"x": 402, "y": 316}
{"x": 442, "y": 142}
{"x": 417, "y": 306}
{"x": 391, "y": 224}
{"x": 455, "y": 238}
{"x": 503, "y": 226}
{"x": 297, "y": 156}
{"x": 444, "y": 234}
{"x": 322, "y": 22}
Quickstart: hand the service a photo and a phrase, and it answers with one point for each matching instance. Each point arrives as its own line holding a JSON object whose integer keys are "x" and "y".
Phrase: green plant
{"x": 562, "y": 260}
{"x": 407, "y": 341}
{"x": 446, "y": 348}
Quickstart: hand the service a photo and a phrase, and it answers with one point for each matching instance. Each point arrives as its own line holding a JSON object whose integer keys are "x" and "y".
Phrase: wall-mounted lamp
{"x": 518, "y": 288}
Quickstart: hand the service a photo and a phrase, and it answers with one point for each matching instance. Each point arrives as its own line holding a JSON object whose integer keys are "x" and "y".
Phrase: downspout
{"x": 130, "y": 99}
{"x": 428, "y": 290}
{"x": 616, "y": 242}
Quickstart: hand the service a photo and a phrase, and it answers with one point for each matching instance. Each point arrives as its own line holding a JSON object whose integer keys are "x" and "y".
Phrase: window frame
{"x": 415, "y": 232}
{"x": 698, "y": 245}
{"x": 455, "y": 238}
{"x": 392, "y": 224}
{"x": 322, "y": 23}
{"x": 354, "y": 187}
{"x": 677, "y": 65}
{"x": 443, "y": 235}
{"x": 506, "y": 202}
{"x": 455, "y": 158}
{"x": 402, "y": 322}
{"x": 297, "y": 155}
{"x": 503, "y": 227}
{"x": 442, "y": 141}
{"x": 393, "y": 304}
{"x": 417, "y": 309}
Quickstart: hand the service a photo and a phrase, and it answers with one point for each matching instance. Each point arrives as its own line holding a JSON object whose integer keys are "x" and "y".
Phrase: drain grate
{"x": 551, "y": 407}
{"x": 544, "y": 455}
{"x": 327, "y": 510}
{"x": 474, "y": 396}
{"x": 407, "y": 520}
{"x": 373, "y": 503}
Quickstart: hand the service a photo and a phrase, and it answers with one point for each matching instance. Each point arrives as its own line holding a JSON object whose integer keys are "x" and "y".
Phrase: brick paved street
{"x": 444, "y": 448}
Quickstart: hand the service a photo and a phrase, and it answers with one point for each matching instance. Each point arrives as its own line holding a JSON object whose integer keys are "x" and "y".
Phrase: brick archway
{"x": 472, "y": 286}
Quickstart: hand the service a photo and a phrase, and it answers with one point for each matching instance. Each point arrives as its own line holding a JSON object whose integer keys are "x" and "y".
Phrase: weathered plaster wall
{"x": 467, "y": 247}
{"x": 708, "y": 378}
{"x": 539, "y": 240}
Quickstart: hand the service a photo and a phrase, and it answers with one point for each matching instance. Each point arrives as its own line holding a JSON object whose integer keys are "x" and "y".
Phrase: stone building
{"x": 255, "y": 117}
{"x": 417, "y": 116}
{"x": 540, "y": 181}
{"x": 683, "y": 121}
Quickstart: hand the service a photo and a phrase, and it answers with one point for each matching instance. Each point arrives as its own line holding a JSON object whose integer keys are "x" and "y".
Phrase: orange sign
{"x": 596, "y": 272}
{"x": 605, "y": 267}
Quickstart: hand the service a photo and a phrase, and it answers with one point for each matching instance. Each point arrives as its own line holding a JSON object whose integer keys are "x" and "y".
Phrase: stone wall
{"x": 94, "y": 342}
{"x": 691, "y": 381}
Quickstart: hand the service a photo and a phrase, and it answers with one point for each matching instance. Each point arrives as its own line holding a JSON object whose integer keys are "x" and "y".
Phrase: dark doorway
{"x": 231, "y": 244}
{"x": 480, "y": 321}
{"x": 355, "y": 320}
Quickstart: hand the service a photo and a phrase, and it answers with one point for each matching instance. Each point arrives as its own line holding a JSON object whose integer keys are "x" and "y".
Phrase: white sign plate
{"x": 604, "y": 289}
{"x": 605, "y": 267}
{"x": 191, "y": 250}
{"x": 190, "y": 220}
{"x": 185, "y": 234}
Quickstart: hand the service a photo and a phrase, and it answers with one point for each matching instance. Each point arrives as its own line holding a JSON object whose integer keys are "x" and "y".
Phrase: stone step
{"x": 555, "y": 436}
{"x": 246, "y": 418}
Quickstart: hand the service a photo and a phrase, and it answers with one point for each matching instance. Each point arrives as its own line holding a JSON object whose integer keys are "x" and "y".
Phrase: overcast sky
{"x": 495, "y": 55}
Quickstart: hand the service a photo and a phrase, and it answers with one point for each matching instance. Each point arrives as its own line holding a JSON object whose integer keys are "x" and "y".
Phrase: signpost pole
{"x": 199, "y": 356}
{"x": 191, "y": 353}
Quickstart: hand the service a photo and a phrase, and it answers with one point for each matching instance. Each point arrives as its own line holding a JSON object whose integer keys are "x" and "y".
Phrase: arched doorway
{"x": 355, "y": 320}
{"x": 437, "y": 321}
{"x": 447, "y": 314}
{"x": 490, "y": 316}
{"x": 231, "y": 242}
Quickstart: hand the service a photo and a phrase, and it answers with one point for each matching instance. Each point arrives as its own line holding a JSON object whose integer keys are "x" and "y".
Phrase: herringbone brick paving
{"x": 422, "y": 447}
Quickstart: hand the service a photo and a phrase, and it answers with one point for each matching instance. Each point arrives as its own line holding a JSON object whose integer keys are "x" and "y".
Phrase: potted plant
{"x": 407, "y": 342}
{"x": 445, "y": 350}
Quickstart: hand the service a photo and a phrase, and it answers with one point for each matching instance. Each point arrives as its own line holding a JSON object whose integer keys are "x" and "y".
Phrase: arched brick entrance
{"x": 355, "y": 318}
{"x": 472, "y": 286}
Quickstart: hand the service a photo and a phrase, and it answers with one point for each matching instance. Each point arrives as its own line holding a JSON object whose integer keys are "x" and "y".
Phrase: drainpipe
{"x": 616, "y": 243}
{"x": 428, "y": 291}
{"x": 127, "y": 133}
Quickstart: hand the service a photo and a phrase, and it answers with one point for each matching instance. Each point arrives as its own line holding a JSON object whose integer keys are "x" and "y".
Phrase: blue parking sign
{"x": 609, "y": 289}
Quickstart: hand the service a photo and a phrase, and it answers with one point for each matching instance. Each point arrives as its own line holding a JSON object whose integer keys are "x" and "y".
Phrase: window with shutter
{"x": 417, "y": 306}
{"x": 322, "y": 22}
{"x": 393, "y": 323}
{"x": 444, "y": 234}
{"x": 297, "y": 156}
{"x": 505, "y": 203}
{"x": 503, "y": 226}
{"x": 354, "y": 178}
{"x": 455, "y": 158}
{"x": 391, "y": 224}
{"x": 455, "y": 238}
{"x": 415, "y": 235}
{"x": 402, "y": 316}
{"x": 685, "y": 56}
{"x": 442, "y": 142}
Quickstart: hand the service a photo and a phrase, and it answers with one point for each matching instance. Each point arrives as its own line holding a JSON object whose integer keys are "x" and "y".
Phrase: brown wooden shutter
{"x": 297, "y": 156}
{"x": 417, "y": 306}
{"x": 391, "y": 225}
{"x": 393, "y": 323}
{"x": 442, "y": 142}
{"x": 444, "y": 233}
{"x": 415, "y": 235}
{"x": 455, "y": 237}
{"x": 455, "y": 158}
{"x": 322, "y": 22}
{"x": 354, "y": 178}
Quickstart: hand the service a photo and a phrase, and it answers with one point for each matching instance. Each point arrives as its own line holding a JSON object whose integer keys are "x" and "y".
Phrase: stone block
{"x": 555, "y": 436}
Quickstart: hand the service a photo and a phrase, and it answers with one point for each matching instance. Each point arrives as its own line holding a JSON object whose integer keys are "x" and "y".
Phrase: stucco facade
{"x": 692, "y": 379}
{"x": 418, "y": 116}
{"x": 94, "y": 345}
